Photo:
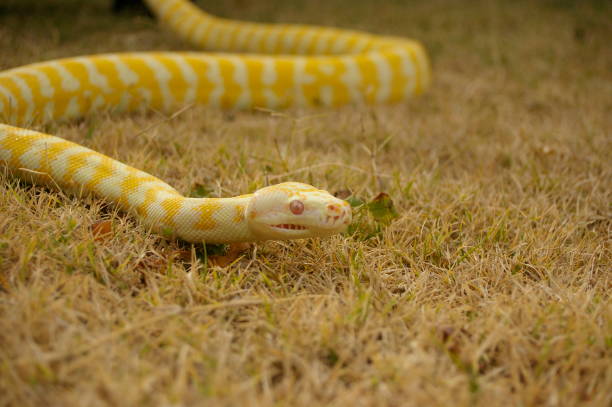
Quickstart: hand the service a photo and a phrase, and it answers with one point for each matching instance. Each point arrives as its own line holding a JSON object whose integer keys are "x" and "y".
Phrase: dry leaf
{"x": 234, "y": 251}
{"x": 102, "y": 230}
{"x": 343, "y": 194}
{"x": 4, "y": 284}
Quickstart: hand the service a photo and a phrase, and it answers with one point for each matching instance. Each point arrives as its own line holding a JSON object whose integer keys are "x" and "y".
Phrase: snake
{"x": 245, "y": 65}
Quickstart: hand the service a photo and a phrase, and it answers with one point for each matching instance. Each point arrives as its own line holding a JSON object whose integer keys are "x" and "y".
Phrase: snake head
{"x": 292, "y": 210}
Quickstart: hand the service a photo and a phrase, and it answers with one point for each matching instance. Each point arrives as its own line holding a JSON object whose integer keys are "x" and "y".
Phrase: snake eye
{"x": 296, "y": 207}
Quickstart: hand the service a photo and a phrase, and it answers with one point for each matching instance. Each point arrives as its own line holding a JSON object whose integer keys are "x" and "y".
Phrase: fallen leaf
{"x": 4, "y": 284}
{"x": 183, "y": 255}
{"x": 343, "y": 194}
{"x": 355, "y": 201}
{"x": 233, "y": 252}
{"x": 382, "y": 209}
{"x": 102, "y": 230}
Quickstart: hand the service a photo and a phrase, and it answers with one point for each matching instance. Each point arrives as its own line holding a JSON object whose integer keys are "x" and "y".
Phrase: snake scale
{"x": 269, "y": 66}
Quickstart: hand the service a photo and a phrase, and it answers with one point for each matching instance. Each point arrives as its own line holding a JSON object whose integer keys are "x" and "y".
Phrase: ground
{"x": 492, "y": 287}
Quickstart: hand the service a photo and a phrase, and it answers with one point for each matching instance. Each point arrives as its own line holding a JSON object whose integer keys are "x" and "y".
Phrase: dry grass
{"x": 492, "y": 288}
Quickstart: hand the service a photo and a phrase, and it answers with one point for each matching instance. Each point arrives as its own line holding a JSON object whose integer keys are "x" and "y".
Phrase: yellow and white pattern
{"x": 283, "y": 65}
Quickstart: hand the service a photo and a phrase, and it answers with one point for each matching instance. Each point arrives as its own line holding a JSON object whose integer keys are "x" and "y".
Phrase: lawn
{"x": 490, "y": 287}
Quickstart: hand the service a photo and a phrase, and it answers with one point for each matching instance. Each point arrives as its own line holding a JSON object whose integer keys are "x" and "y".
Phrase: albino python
{"x": 280, "y": 65}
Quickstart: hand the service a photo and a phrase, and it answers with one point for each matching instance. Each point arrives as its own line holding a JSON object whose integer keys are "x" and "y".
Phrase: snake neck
{"x": 210, "y": 220}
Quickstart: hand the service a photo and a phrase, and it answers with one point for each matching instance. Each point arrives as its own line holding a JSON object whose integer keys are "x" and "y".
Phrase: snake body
{"x": 283, "y": 65}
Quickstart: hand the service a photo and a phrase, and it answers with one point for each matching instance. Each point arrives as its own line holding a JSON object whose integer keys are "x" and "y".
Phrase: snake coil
{"x": 270, "y": 66}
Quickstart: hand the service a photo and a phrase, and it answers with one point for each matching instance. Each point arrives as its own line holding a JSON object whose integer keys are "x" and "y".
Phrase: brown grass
{"x": 492, "y": 288}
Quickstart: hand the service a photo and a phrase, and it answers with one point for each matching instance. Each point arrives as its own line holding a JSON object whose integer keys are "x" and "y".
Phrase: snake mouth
{"x": 289, "y": 226}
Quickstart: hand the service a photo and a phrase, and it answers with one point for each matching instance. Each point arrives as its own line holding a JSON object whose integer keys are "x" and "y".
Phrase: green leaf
{"x": 200, "y": 191}
{"x": 370, "y": 219}
{"x": 216, "y": 249}
{"x": 382, "y": 209}
{"x": 355, "y": 201}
